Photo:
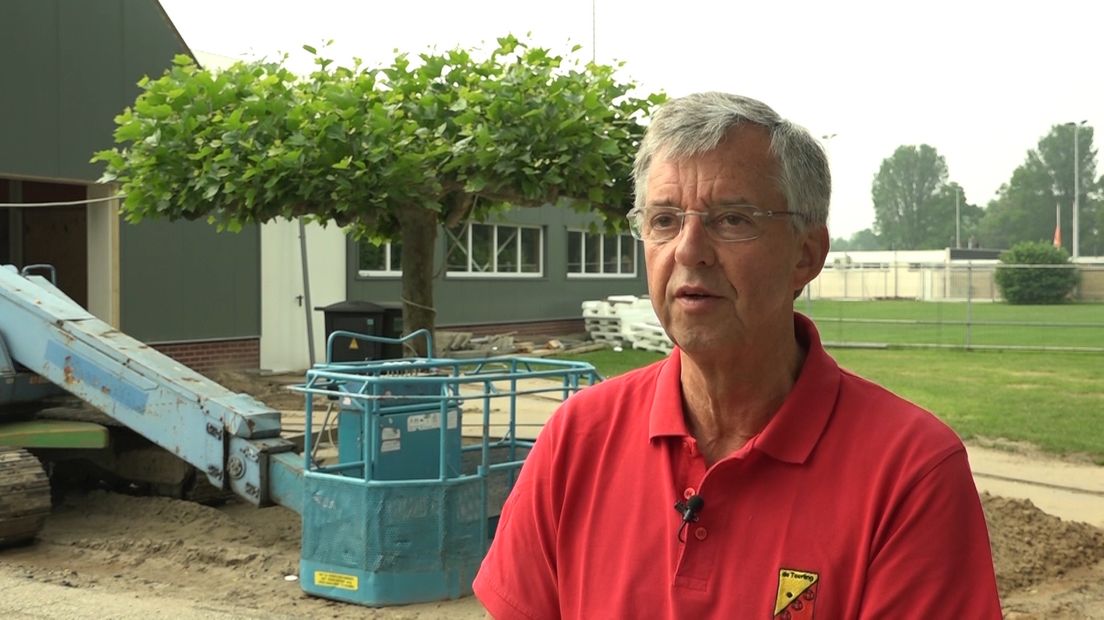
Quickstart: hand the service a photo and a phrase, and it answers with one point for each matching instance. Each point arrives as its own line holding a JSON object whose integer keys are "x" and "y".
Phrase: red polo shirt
{"x": 850, "y": 503}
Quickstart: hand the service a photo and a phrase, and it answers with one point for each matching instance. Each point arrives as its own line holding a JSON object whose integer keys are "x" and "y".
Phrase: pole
{"x": 306, "y": 290}
{"x": 969, "y": 299}
{"x": 958, "y": 228}
{"x": 895, "y": 274}
{"x": 1057, "y": 224}
{"x": 593, "y": 30}
{"x": 1076, "y": 191}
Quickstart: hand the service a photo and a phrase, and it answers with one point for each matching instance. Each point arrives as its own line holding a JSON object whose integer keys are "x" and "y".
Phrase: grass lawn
{"x": 1053, "y": 400}
{"x": 941, "y": 323}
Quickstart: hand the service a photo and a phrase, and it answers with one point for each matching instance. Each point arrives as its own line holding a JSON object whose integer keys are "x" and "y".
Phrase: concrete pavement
{"x": 1071, "y": 491}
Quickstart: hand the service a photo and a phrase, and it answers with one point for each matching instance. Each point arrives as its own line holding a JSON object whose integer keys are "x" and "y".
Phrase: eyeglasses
{"x": 726, "y": 223}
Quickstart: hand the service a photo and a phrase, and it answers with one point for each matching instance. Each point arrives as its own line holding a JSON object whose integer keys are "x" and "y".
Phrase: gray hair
{"x": 697, "y": 123}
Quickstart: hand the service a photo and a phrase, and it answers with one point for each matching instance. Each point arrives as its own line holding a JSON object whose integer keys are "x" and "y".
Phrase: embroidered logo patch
{"x": 797, "y": 592}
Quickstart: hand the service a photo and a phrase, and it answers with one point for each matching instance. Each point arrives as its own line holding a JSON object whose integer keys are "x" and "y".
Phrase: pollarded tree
{"x": 389, "y": 152}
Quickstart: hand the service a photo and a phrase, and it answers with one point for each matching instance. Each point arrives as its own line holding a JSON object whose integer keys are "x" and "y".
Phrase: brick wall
{"x": 205, "y": 356}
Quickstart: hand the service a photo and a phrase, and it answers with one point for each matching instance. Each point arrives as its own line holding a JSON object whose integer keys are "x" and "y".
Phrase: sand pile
{"x": 1030, "y": 546}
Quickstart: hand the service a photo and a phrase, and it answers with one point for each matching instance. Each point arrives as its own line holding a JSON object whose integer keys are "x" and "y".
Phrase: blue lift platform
{"x": 400, "y": 510}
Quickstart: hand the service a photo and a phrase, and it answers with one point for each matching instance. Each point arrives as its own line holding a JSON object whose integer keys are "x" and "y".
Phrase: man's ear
{"x": 812, "y": 252}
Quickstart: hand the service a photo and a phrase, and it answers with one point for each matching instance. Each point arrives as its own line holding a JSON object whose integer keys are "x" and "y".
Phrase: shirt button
{"x": 700, "y": 533}
{"x": 688, "y": 493}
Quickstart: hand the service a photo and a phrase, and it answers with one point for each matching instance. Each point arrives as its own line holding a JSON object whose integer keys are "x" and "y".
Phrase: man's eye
{"x": 663, "y": 221}
{"x": 732, "y": 219}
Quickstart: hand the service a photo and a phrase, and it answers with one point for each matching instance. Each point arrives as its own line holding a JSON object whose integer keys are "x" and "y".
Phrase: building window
{"x": 496, "y": 250}
{"x": 379, "y": 260}
{"x": 597, "y": 255}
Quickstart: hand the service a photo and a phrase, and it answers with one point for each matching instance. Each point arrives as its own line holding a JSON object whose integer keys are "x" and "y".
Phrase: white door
{"x": 283, "y": 320}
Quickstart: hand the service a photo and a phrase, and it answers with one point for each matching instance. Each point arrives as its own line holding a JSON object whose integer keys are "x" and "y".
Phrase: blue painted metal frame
{"x": 236, "y": 441}
{"x": 380, "y": 574}
{"x": 229, "y": 436}
{"x": 21, "y": 387}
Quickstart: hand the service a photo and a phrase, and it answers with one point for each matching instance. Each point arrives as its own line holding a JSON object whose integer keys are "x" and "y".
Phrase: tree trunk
{"x": 418, "y": 231}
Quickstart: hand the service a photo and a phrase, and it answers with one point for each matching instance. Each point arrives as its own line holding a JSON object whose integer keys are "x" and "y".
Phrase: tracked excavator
{"x": 398, "y": 508}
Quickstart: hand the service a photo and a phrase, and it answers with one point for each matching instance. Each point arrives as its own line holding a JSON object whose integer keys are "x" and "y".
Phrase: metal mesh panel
{"x": 402, "y": 528}
{"x": 387, "y": 522}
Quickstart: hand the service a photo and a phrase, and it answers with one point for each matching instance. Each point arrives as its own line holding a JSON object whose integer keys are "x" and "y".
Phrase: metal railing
{"x": 950, "y": 305}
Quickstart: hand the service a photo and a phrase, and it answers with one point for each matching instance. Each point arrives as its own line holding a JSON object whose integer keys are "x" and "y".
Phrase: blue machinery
{"x": 398, "y": 509}
{"x": 431, "y": 501}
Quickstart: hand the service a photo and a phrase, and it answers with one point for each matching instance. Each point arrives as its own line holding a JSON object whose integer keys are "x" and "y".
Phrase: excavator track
{"x": 24, "y": 496}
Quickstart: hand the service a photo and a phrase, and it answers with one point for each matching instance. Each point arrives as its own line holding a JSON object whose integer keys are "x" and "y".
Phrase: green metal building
{"x": 529, "y": 270}
{"x": 70, "y": 66}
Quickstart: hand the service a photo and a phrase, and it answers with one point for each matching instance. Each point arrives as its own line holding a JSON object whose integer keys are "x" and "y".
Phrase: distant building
{"x": 951, "y": 274}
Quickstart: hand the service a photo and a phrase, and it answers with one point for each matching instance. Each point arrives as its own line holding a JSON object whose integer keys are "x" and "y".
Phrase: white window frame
{"x": 621, "y": 238}
{"x": 387, "y": 272}
{"x": 466, "y": 244}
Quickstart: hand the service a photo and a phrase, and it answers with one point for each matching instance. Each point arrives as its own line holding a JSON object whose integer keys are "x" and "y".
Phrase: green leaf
{"x": 475, "y": 185}
{"x": 254, "y": 141}
{"x": 609, "y": 147}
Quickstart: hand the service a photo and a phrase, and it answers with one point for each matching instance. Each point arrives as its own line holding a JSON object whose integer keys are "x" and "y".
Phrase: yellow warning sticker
{"x": 335, "y": 580}
{"x": 353, "y": 346}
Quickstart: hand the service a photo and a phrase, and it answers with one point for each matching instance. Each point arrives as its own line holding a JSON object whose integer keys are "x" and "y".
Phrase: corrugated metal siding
{"x": 68, "y": 67}
{"x": 184, "y": 281}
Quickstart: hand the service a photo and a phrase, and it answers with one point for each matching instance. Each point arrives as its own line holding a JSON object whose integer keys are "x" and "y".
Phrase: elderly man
{"x": 800, "y": 490}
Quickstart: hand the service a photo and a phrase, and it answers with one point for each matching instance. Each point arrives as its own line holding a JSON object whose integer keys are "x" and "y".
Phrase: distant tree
{"x": 864, "y": 239}
{"x": 1024, "y": 207}
{"x": 1051, "y": 284}
{"x": 969, "y": 217}
{"x": 391, "y": 152}
{"x": 914, "y": 204}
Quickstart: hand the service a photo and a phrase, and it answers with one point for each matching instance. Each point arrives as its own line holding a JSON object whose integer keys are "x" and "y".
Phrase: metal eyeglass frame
{"x": 636, "y": 215}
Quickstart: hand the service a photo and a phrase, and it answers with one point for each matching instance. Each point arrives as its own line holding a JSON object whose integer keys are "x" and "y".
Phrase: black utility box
{"x": 368, "y": 318}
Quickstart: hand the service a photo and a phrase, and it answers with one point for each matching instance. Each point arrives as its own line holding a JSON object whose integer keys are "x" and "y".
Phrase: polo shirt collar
{"x": 665, "y": 418}
{"x": 793, "y": 432}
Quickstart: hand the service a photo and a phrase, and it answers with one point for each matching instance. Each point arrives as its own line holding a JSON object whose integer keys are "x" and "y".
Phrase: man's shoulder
{"x": 874, "y": 409}
{"x": 634, "y": 386}
{"x": 618, "y": 400}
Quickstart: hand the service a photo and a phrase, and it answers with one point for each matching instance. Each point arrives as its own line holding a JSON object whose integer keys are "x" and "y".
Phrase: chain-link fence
{"x": 958, "y": 281}
{"x": 951, "y": 304}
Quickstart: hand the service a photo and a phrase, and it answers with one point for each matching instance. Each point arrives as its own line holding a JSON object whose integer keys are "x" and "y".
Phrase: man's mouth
{"x": 693, "y": 293}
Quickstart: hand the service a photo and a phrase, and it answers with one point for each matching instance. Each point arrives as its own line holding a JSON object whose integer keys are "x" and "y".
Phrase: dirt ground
{"x": 114, "y": 555}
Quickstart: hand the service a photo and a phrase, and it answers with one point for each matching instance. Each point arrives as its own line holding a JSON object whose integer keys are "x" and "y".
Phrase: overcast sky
{"x": 980, "y": 81}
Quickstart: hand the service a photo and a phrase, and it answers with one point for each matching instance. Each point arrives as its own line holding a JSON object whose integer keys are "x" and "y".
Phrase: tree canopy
{"x": 1024, "y": 209}
{"x": 914, "y": 203}
{"x": 1036, "y": 285}
{"x": 389, "y": 151}
{"x": 864, "y": 239}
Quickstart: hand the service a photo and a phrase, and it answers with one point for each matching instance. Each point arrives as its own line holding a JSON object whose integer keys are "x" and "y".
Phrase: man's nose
{"x": 693, "y": 245}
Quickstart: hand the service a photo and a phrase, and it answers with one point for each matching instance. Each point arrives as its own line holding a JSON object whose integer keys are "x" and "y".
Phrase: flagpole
{"x": 1057, "y": 224}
